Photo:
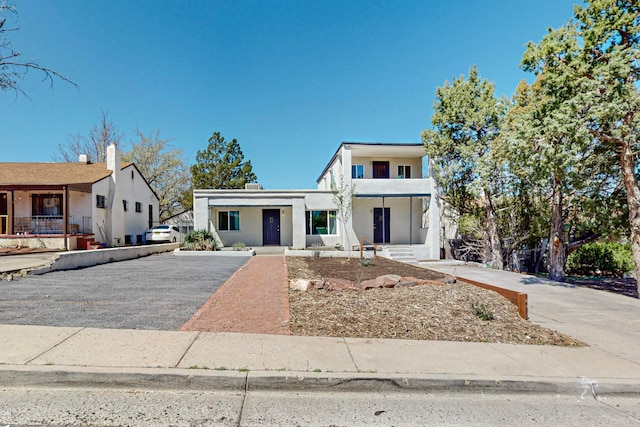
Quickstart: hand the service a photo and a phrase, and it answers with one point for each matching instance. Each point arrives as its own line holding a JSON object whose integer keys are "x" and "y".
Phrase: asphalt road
{"x": 158, "y": 292}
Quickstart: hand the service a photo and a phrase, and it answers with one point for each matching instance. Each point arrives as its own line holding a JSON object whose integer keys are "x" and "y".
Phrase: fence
{"x": 51, "y": 224}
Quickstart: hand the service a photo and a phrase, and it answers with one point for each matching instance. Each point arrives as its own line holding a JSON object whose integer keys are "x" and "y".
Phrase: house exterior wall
{"x": 410, "y": 222}
{"x": 113, "y": 224}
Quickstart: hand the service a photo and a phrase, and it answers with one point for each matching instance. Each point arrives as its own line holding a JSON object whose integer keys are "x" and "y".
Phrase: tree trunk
{"x": 633, "y": 200}
{"x": 557, "y": 247}
{"x": 492, "y": 233}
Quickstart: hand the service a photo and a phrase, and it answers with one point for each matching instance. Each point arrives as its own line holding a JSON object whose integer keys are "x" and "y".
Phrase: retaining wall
{"x": 88, "y": 258}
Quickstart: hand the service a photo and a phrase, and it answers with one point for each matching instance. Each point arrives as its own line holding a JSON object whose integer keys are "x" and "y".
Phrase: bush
{"x": 199, "y": 240}
{"x": 602, "y": 258}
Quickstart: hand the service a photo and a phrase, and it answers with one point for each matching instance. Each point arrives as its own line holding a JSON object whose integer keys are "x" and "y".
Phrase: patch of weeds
{"x": 281, "y": 369}
{"x": 317, "y": 370}
{"x": 316, "y": 248}
{"x": 243, "y": 370}
{"x": 221, "y": 368}
{"x": 366, "y": 262}
{"x": 197, "y": 367}
{"x": 239, "y": 246}
{"x": 482, "y": 311}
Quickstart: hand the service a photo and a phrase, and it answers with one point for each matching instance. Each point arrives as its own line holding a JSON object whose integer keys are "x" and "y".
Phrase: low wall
{"x": 39, "y": 242}
{"x": 88, "y": 258}
{"x": 247, "y": 254}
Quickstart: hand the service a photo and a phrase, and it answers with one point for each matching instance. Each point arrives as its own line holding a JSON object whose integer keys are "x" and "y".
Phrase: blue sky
{"x": 290, "y": 80}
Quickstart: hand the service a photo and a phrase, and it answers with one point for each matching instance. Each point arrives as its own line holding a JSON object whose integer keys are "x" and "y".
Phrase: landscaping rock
{"x": 334, "y": 284}
{"x": 386, "y": 281}
{"x": 299, "y": 284}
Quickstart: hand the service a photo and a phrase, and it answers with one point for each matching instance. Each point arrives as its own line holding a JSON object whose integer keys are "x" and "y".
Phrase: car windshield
{"x": 161, "y": 227}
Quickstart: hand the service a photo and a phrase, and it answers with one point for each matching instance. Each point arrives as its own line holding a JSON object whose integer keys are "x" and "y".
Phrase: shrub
{"x": 239, "y": 246}
{"x": 482, "y": 311}
{"x": 199, "y": 240}
{"x": 601, "y": 258}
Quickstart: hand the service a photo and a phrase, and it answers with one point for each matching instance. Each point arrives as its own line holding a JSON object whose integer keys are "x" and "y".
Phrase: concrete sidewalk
{"x": 48, "y": 356}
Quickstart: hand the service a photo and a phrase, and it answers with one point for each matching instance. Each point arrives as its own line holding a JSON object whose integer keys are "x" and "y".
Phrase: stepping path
{"x": 255, "y": 299}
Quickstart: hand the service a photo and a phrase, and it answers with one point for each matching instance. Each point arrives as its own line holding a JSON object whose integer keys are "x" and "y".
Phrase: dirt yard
{"x": 451, "y": 312}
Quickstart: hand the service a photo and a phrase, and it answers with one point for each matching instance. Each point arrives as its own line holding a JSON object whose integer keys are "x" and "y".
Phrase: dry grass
{"x": 450, "y": 312}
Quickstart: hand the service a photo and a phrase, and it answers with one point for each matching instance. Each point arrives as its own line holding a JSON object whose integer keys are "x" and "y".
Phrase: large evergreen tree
{"x": 221, "y": 165}
{"x": 466, "y": 121}
{"x": 597, "y": 56}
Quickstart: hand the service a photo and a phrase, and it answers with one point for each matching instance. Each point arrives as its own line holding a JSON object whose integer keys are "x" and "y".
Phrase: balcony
{"x": 393, "y": 187}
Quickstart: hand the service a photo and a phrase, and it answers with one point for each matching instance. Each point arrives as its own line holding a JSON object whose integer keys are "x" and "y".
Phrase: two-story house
{"x": 392, "y": 203}
{"x": 59, "y": 204}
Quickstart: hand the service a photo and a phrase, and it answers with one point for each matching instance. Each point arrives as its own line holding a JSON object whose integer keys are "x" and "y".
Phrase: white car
{"x": 164, "y": 233}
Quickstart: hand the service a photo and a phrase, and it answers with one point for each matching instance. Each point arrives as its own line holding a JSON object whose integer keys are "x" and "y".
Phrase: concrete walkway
{"x": 609, "y": 323}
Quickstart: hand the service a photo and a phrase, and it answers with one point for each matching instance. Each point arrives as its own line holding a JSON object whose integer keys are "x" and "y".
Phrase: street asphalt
{"x": 158, "y": 292}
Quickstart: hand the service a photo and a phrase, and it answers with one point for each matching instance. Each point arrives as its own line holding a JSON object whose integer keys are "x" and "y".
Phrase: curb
{"x": 201, "y": 379}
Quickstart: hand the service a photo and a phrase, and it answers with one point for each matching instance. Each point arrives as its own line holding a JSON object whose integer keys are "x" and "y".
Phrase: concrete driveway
{"x": 158, "y": 292}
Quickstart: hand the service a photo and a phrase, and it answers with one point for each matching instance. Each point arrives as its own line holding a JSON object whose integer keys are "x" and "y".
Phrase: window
{"x": 138, "y": 207}
{"x": 381, "y": 170}
{"x": 46, "y": 205}
{"x": 357, "y": 171}
{"x": 228, "y": 221}
{"x": 125, "y": 205}
{"x": 321, "y": 222}
{"x": 100, "y": 202}
{"x": 404, "y": 171}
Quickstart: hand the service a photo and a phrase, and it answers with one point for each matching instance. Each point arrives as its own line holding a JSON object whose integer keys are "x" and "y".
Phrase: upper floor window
{"x": 100, "y": 201}
{"x": 357, "y": 171}
{"x": 404, "y": 171}
{"x": 125, "y": 205}
{"x": 381, "y": 170}
{"x": 138, "y": 207}
{"x": 228, "y": 220}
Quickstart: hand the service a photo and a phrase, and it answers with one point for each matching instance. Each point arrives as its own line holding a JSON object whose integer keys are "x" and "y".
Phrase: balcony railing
{"x": 51, "y": 224}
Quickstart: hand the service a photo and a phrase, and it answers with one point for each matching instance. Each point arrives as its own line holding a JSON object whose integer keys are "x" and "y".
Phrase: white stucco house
{"x": 62, "y": 204}
{"x": 394, "y": 204}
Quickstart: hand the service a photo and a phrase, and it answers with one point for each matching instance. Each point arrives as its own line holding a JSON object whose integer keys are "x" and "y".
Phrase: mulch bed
{"x": 450, "y": 312}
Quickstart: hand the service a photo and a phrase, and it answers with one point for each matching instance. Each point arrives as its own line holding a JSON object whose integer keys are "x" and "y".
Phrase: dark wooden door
{"x": 381, "y": 170}
{"x": 271, "y": 227}
{"x": 381, "y": 224}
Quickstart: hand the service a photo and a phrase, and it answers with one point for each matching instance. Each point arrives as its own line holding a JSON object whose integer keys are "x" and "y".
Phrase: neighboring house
{"x": 393, "y": 204}
{"x": 66, "y": 202}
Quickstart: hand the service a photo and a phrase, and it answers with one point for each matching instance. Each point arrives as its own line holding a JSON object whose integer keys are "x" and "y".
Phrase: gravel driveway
{"x": 159, "y": 292}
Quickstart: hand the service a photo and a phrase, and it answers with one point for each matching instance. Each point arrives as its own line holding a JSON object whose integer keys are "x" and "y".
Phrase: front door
{"x": 271, "y": 227}
{"x": 4, "y": 219}
{"x": 381, "y": 223}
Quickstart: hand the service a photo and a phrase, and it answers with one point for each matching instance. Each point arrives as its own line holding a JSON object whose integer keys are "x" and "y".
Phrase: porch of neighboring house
{"x": 39, "y": 217}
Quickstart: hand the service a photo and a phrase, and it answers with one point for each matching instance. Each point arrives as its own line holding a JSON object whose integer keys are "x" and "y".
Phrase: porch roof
{"x": 52, "y": 174}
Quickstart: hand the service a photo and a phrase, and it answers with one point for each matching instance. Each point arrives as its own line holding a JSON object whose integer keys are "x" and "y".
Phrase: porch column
{"x": 201, "y": 213}
{"x": 432, "y": 240}
{"x": 65, "y": 216}
{"x": 298, "y": 226}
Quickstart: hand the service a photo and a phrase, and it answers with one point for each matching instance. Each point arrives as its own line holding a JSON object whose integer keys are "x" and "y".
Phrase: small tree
{"x": 221, "y": 165}
{"x": 343, "y": 196}
{"x": 163, "y": 169}
{"x": 94, "y": 145}
{"x": 12, "y": 67}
